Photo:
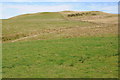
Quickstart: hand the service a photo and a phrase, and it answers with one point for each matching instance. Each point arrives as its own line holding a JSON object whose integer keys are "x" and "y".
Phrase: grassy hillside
{"x": 35, "y": 24}
{"x": 55, "y": 45}
{"x": 74, "y": 57}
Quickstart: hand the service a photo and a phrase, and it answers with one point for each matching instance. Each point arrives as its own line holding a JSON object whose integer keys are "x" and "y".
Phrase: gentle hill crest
{"x": 54, "y": 13}
{"x": 46, "y": 23}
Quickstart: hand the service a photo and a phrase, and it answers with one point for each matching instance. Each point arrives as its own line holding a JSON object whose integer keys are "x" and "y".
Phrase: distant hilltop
{"x": 70, "y": 13}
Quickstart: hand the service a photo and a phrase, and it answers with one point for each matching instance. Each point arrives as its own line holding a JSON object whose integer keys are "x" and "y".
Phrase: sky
{"x": 14, "y": 8}
{"x": 59, "y": 0}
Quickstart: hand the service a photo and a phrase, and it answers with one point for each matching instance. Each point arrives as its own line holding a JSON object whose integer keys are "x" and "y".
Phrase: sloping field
{"x": 84, "y": 57}
{"x": 40, "y": 23}
{"x": 55, "y": 45}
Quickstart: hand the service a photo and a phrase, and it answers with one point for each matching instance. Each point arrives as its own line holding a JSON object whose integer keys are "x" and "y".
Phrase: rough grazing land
{"x": 61, "y": 45}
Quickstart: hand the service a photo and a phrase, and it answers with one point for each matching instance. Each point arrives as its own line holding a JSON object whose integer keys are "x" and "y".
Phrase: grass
{"x": 73, "y": 57}
{"x": 25, "y": 25}
{"x": 52, "y": 45}
{"x": 34, "y": 22}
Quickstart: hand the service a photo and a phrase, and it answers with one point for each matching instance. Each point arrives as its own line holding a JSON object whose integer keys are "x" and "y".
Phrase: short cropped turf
{"x": 91, "y": 57}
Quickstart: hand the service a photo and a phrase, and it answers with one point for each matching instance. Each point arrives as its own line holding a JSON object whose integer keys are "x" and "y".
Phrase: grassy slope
{"x": 84, "y": 57}
{"x": 32, "y": 24}
{"x": 26, "y": 23}
{"x": 72, "y": 48}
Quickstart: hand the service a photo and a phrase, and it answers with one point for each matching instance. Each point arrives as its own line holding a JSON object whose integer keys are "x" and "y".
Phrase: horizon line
{"x": 53, "y": 11}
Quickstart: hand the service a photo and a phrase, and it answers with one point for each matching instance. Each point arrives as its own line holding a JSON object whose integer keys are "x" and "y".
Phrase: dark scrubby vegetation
{"x": 81, "y": 14}
{"x": 13, "y": 37}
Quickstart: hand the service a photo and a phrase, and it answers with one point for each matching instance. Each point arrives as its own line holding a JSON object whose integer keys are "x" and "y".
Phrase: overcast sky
{"x": 17, "y": 7}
